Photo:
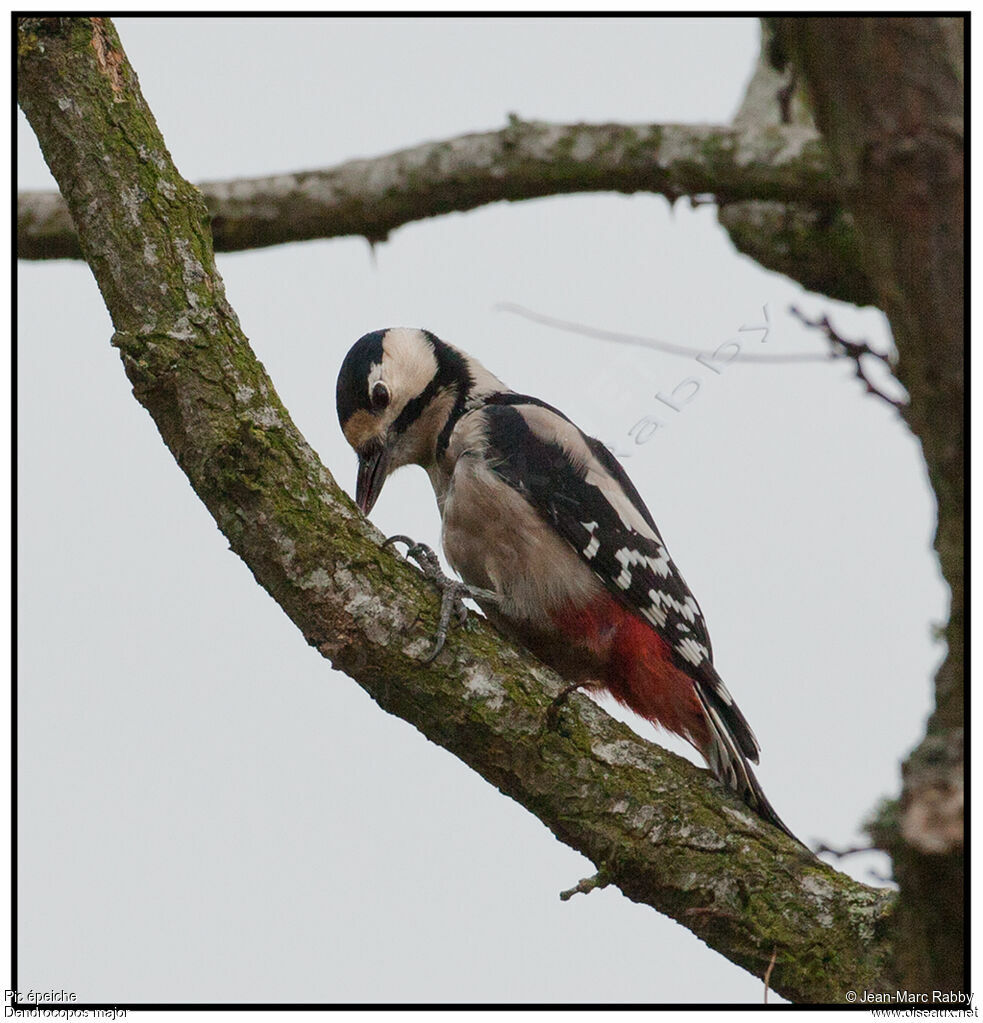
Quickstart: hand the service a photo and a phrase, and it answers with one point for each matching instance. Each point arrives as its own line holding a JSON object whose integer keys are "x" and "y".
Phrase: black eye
{"x": 379, "y": 396}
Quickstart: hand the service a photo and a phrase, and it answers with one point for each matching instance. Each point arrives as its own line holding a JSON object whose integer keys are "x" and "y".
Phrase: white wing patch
{"x": 655, "y": 613}
{"x": 687, "y": 607}
{"x": 595, "y": 544}
{"x": 626, "y": 557}
{"x": 692, "y": 651}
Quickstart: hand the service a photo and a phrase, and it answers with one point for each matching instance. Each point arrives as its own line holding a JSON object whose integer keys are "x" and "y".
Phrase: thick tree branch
{"x": 813, "y": 243}
{"x": 525, "y": 160}
{"x": 891, "y": 108}
{"x": 653, "y": 824}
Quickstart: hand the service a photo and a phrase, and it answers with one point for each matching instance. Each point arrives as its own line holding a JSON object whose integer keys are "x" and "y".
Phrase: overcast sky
{"x": 208, "y": 812}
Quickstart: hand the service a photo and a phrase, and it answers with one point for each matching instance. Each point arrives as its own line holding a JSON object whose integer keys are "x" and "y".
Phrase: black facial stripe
{"x": 457, "y": 410}
{"x": 415, "y": 406}
{"x": 352, "y": 390}
{"x": 452, "y": 373}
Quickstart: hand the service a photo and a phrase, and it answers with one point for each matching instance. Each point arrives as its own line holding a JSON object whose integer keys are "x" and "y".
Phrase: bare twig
{"x": 648, "y": 342}
{"x": 586, "y": 885}
{"x": 850, "y": 851}
{"x": 840, "y": 348}
{"x": 853, "y": 350}
{"x": 767, "y": 977}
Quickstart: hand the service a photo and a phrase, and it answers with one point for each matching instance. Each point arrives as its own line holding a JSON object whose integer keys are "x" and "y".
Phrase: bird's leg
{"x": 553, "y": 710}
{"x": 452, "y": 592}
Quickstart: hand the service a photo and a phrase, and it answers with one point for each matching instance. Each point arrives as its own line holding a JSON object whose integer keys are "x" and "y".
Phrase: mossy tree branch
{"x": 524, "y": 160}
{"x": 814, "y": 243}
{"x": 653, "y": 824}
{"x": 770, "y": 179}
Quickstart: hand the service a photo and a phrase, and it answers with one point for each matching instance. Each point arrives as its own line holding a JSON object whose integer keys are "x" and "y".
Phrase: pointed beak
{"x": 373, "y": 465}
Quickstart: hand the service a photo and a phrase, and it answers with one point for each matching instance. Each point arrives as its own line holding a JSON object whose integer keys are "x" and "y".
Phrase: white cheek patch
{"x": 409, "y": 362}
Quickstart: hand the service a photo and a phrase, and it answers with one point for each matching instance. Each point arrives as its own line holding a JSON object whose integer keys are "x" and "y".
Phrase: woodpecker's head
{"x": 398, "y": 390}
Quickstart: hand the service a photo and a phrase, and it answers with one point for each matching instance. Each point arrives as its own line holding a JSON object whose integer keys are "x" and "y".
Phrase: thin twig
{"x": 853, "y": 850}
{"x": 850, "y": 851}
{"x": 588, "y": 884}
{"x": 648, "y": 342}
{"x": 853, "y": 350}
{"x": 771, "y": 966}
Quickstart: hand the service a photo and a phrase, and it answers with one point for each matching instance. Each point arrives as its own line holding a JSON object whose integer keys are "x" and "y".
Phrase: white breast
{"x": 496, "y": 540}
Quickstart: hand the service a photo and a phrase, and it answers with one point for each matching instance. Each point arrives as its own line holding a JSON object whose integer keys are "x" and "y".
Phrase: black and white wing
{"x": 581, "y": 489}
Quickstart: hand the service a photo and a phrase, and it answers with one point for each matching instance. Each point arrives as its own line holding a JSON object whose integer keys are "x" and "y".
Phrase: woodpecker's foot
{"x": 452, "y": 592}
{"x": 553, "y": 710}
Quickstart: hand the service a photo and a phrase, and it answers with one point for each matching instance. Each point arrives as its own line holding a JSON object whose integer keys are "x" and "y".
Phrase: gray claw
{"x": 452, "y": 592}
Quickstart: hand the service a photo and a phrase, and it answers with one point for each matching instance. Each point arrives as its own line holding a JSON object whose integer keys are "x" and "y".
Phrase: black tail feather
{"x": 726, "y": 757}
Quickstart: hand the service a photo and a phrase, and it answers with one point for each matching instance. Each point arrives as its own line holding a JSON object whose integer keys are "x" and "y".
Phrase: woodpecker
{"x": 549, "y": 535}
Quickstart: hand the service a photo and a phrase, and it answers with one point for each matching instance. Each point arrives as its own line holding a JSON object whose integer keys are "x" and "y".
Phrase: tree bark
{"x": 814, "y": 243}
{"x": 655, "y": 826}
{"x": 891, "y": 109}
